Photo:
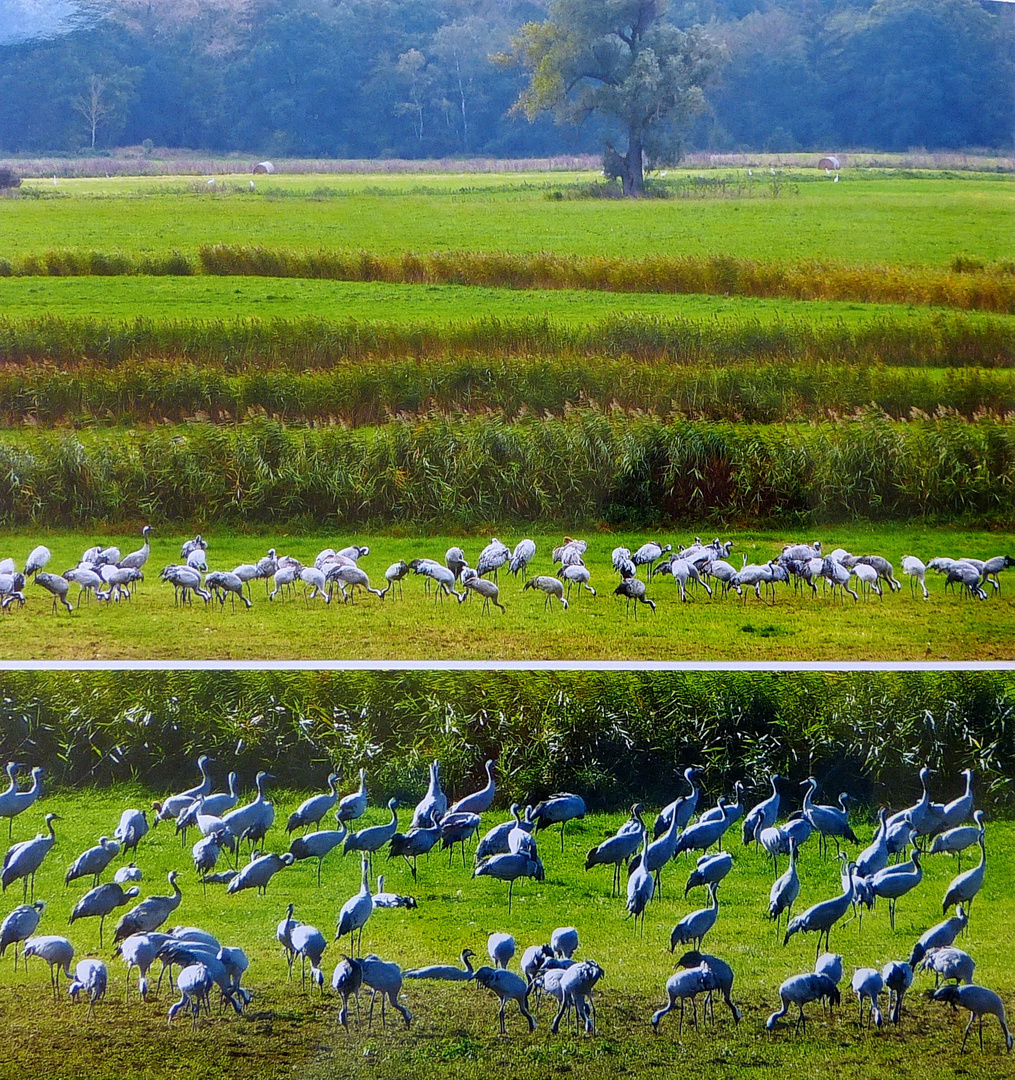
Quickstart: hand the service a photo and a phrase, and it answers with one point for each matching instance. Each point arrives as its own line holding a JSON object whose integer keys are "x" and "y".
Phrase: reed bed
{"x": 236, "y": 346}
{"x": 583, "y": 468}
{"x": 986, "y": 288}
{"x": 376, "y": 391}
{"x": 550, "y": 731}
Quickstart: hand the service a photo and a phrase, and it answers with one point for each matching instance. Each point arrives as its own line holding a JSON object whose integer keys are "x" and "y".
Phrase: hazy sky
{"x": 22, "y": 19}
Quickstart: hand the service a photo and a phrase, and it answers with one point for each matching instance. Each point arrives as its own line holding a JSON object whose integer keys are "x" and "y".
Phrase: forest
{"x": 415, "y": 79}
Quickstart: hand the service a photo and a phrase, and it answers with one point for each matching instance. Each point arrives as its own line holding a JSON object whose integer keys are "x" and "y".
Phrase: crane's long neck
{"x": 467, "y": 961}
{"x": 12, "y": 771}
{"x": 808, "y": 802}
{"x": 52, "y": 833}
{"x": 363, "y": 782}
{"x": 365, "y": 886}
{"x": 232, "y": 785}
{"x": 332, "y": 781}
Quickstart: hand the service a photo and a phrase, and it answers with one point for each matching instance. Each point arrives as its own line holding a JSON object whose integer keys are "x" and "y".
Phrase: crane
{"x": 92, "y": 862}
{"x": 868, "y": 984}
{"x": 509, "y": 868}
{"x": 308, "y": 944}
{"x": 150, "y": 914}
{"x": 346, "y": 980}
{"x": 24, "y": 859}
{"x": 257, "y": 873}
{"x": 317, "y": 845}
{"x": 354, "y": 805}
{"x": 823, "y": 916}
{"x": 17, "y": 927}
{"x": 375, "y": 837}
{"x": 562, "y": 807}
{"x": 964, "y": 888}
{"x": 312, "y": 810}
{"x": 508, "y": 987}
{"x": 91, "y": 978}
{"x": 384, "y": 978}
{"x": 17, "y": 802}
{"x": 693, "y": 927}
{"x": 763, "y": 815}
{"x": 633, "y": 588}
{"x": 720, "y": 977}
{"x": 980, "y": 1002}
{"x": 686, "y": 983}
{"x": 552, "y": 588}
{"x": 618, "y": 849}
{"x": 897, "y": 977}
{"x": 800, "y": 990}
{"x": 357, "y": 909}
{"x": 102, "y": 900}
{"x": 479, "y": 801}
{"x": 434, "y": 804}
{"x": 57, "y": 951}
{"x": 785, "y": 890}
{"x": 254, "y": 819}
{"x": 445, "y": 972}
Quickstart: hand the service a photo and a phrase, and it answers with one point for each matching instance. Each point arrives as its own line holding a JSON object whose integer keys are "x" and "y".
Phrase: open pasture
{"x": 413, "y": 626}
{"x": 857, "y": 221}
{"x": 454, "y": 1027}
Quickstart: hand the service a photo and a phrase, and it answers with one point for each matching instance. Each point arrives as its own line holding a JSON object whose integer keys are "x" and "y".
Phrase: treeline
{"x": 406, "y": 78}
{"x": 448, "y": 474}
{"x": 611, "y": 736}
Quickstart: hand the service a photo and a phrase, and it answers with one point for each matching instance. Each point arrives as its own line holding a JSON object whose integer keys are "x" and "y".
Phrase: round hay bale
{"x": 263, "y": 167}
{"x": 829, "y": 161}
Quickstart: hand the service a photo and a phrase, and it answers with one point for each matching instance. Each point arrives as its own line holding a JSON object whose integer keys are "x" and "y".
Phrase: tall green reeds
{"x": 448, "y": 473}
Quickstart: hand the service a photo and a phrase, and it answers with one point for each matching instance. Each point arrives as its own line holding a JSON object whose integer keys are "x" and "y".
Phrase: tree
{"x": 618, "y": 61}
{"x": 93, "y": 104}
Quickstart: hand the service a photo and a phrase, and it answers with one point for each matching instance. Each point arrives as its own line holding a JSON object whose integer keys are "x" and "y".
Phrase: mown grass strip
{"x": 449, "y": 473}
{"x": 980, "y": 288}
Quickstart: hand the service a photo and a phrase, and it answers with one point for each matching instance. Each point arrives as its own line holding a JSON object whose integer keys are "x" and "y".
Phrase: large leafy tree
{"x": 617, "y": 61}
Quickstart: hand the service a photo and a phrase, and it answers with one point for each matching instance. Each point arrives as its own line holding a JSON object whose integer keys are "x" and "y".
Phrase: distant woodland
{"x": 415, "y": 79}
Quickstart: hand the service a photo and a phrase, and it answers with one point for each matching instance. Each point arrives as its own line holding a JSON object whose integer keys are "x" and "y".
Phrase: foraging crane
{"x": 317, "y": 845}
{"x": 444, "y": 578}
{"x": 171, "y": 808}
{"x": 683, "y": 571}
{"x": 988, "y": 572}
{"x": 205, "y": 854}
{"x": 570, "y": 553}
{"x": 355, "y": 578}
{"x": 184, "y": 581}
{"x": 223, "y": 582}
{"x": 57, "y": 951}
{"x": 254, "y": 819}
{"x": 23, "y": 860}
{"x": 895, "y": 881}
{"x": 90, "y": 978}
{"x": 414, "y": 843}
{"x": 210, "y": 805}
{"x": 57, "y": 586}
{"x": 955, "y": 841}
{"x": 455, "y": 561}
{"x": 375, "y": 837}
{"x": 127, "y": 874}
{"x": 37, "y": 559}
{"x": 285, "y": 576}
{"x": 521, "y": 557}
{"x": 578, "y": 576}
{"x": 395, "y": 573}
{"x": 150, "y": 914}
{"x": 353, "y": 805}
{"x": 492, "y": 558}
{"x": 633, "y": 589}
{"x": 939, "y": 936}
{"x": 823, "y": 915}
{"x": 445, "y": 972}
{"x": 868, "y": 578}
{"x": 356, "y": 910}
{"x": 384, "y": 978}
{"x": 868, "y": 984}
{"x": 800, "y": 990}
{"x": 509, "y": 868}
{"x": 649, "y": 554}
{"x": 882, "y": 567}
{"x": 562, "y": 807}
{"x": 346, "y": 981}
{"x": 194, "y": 983}
{"x": 132, "y": 827}
{"x": 618, "y": 849}
{"x": 925, "y": 817}
{"x": 508, "y": 987}
{"x": 488, "y": 590}
{"x": 576, "y": 985}
{"x": 622, "y": 564}
{"x": 14, "y": 802}
{"x": 837, "y": 576}
{"x": 257, "y": 873}
{"x": 963, "y": 889}
{"x": 785, "y": 890}
{"x": 312, "y": 810}
{"x": 479, "y": 801}
{"x": 308, "y": 944}
{"x": 897, "y": 977}
{"x": 980, "y": 1002}
{"x": 693, "y": 927}
{"x": 17, "y": 927}
{"x": 564, "y": 942}
{"x": 92, "y": 862}
{"x": 949, "y": 963}
{"x": 434, "y": 804}
{"x": 686, "y": 983}
{"x": 720, "y": 978}
{"x": 85, "y": 579}
{"x": 314, "y": 579}
{"x": 390, "y": 900}
{"x": 137, "y": 559}
{"x": 501, "y": 949}
{"x": 711, "y": 869}
{"x": 551, "y": 586}
{"x": 140, "y": 951}
{"x": 916, "y": 572}
{"x": 100, "y": 901}
{"x": 189, "y": 546}
{"x": 763, "y": 815}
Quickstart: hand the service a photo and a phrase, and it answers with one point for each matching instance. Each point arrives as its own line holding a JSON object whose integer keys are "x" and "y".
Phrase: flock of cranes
{"x": 508, "y": 852}
{"x": 106, "y": 575}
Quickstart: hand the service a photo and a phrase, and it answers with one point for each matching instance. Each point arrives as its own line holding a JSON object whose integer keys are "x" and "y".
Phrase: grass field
{"x": 454, "y": 1029}
{"x": 948, "y": 627}
{"x": 856, "y": 221}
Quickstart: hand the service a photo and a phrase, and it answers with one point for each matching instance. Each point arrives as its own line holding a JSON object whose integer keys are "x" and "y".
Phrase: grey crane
{"x": 150, "y": 914}
{"x": 308, "y": 944}
{"x": 414, "y": 843}
{"x": 351, "y": 576}
{"x": 434, "y": 804}
{"x": 640, "y": 886}
{"x": 875, "y": 857}
{"x": 559, "y": 809}
{"x": 312, "y": 810}
{"x": 649, "y": 554}
{"x": 317, "y": 845}
{"x": 456, "y": 828}
{"x": 785, "y": 889}
{"x": 433, "y": 571}
{"x": 254, "y": 819}
{"x": 711, "y": 869}
{"x": 800, "y": 990}
{"x": 91, "y": 979}
{"x": 955, "y": 841}
{"x": 721, "y": 979}
{"x": 915, "y": 570}
{"x": 383, "y": 899}
{"x": 957, "y": 811}
{"x": 868, "y": 985}
{"x": 86, "y": 580}
{"x": 137, "y": 559}
{"x": 223, "y": 583}
{"x": 683, "y": 806}
{"x": 980, "y": 1002}
{"x": 763, "y": 815}
{"x": 92, "y": 862}
{"x": 939, "y": 936}
{"x": 127, "y": 874}
{"x": 579, "y": 577}
{"x": 894, "y": 882}
{"x": 172, "y": 807}
{"x": 100, "y": 901}
{"x": 925, "y": 818}
{"x": 185, "y": 580}
{"x": 283, "y": 935}
{"x": 693, "y": 927}
{"x": 455, "y": 561}
{"x": 552, "y": 588}
{"x": 395, "y": 573}
{"x": 963, "y": 889}
{"x": 213, "y": 806}
{"x": 618, "y": 849}
{"x": 823, "y": 915}
{"x": 257, "y": 873}
{"x": 140, "y": 951}
{"x": 897, "y": 977}
{"x": 375, "y": 837}
{"x": 479, "y": 801}
{"x": 501, "y": 949}
{"x": 508, "y": 987}
{"x": 633, "y": 589}
{"x": 949, "y": 963}
{"x": 622, "y": 564}
{"x": 17, "y": 927}
{"x": 57, "y": 951}
{"x": 989, "y": 571}
{"x": 509, "y": 868}
{"x": 495, "y": 842}
{"x": 346, "y": 981}
{"x": 521, "y": 557}
{"x": 194, "y": 983}
{"x": 37, "y": 559}
{"x": 57, "y": 586}
{"x": 353, "y": 805}
{"x": 828, "y": 820}
{"x": 132, "y": 827}
{"x": 701, "y": 835}
{"x": 23, "y": 860}
{"x": 445, "y": 972}
{"x": 205, "y": 854}
{"x": 14, "y": 802}
{"x": 488, "y": 590}
{"x": 685, "y": 984}
{"x": 492, "y": 557}
{"x": 384, "y": 978}
{"x": 576, "y": 986}
{"x": 564, "y": 942}
{"x": 357, "y": 909}
{"x": 189, "y": 546}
